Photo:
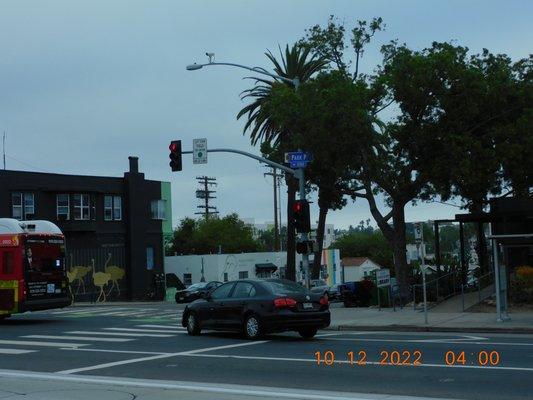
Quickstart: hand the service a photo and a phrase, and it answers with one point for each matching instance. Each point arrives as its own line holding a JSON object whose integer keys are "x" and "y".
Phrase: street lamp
{"x": 259, "y": 70}
{"x": 298, "y": 173}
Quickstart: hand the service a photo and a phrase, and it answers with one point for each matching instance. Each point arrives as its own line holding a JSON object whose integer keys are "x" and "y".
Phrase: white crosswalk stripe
{"x": 16, "y": 351}
{"x": 176, "y": 326}
{"x": 168, "y": 330}
{"x": 83, "y": 338}
{"x": 86, "y": 310}
{"x": 40, "y": 344}
{"x": 126, "y": 334}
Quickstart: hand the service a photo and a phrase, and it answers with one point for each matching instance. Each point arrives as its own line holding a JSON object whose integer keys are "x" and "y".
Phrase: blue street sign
{"x": 298, "y": 164}
{"x": 298, "y": 159}
{"x": 299, "y": 156}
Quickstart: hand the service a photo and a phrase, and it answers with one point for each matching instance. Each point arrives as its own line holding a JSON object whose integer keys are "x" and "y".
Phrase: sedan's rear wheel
{"x": 307, "y": 333}
{"x": 252, "y": 327}
{"x": 193, "y": 324}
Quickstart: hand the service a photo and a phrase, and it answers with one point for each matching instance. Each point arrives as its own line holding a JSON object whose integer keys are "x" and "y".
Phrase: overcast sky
{"x": 85, "y": 84}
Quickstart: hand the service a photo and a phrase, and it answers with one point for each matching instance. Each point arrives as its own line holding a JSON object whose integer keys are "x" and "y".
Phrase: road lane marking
{"x": 214, "y": 388}
{"x": 83, "y": 338}
{"x": 115, "y": 351}
{"x": 16, "y": 351}
{"x": 161, "y": 326}
{"x": 313, "y": 360}
{"x": 170, "y": 330}
{"x": 157, "y": 357}
{"x": 86, "y": 311}
{"x": 126, "y": 334}
{"x": 41, "y": 344}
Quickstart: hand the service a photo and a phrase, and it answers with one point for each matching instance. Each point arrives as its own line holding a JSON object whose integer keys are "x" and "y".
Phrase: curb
{"x": 416, "y": 328}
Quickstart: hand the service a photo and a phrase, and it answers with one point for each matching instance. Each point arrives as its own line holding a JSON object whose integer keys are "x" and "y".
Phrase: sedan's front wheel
{"x": 193, "y": 325}
{"x": 252, "y": 327}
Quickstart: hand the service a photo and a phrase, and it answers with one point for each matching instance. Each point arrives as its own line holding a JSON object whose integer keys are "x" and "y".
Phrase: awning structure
{"x": 265, "y": 267}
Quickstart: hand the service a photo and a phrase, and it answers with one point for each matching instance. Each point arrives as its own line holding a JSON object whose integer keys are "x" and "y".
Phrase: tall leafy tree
{"x": 295, "y": 62}
{"x": 228, "y": 234}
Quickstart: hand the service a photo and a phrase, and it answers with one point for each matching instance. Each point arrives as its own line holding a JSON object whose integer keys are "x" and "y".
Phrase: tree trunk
{"x": 323, "y": 212}
{"x": 399, "y": 243}
{"x": 292, "y": 188}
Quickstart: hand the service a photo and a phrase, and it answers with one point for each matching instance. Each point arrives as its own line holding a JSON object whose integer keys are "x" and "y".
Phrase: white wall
{"x": 357, "y": 273}
{"x": 215, "y": 265}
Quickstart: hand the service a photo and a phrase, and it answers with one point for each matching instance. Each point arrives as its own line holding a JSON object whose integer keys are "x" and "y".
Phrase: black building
{"x": 113, "y": 226}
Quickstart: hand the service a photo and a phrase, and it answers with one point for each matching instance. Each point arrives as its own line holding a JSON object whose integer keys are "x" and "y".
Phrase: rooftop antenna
{"x": 4, "y": 149}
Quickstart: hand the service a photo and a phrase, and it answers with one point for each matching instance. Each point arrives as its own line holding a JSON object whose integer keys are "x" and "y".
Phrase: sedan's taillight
{"x": 284, "y": 302}
{"x": 324, "y": 300}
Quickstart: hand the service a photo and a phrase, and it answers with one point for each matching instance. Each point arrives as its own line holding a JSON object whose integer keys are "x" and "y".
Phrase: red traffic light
{"x": 297, "y": 206}
{"x": 173, "y": 146}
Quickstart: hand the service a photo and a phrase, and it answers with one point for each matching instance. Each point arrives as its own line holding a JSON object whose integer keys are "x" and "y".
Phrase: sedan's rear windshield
{"x": 285, "y": 287}
{"x": 197, "y": 286}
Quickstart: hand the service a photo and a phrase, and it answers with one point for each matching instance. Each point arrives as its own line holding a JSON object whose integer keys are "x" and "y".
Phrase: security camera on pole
{"x": 419, "y": 239}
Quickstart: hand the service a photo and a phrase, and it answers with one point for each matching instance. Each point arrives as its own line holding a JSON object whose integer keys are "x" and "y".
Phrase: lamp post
{"x": 258, "y": 70}
{"x": 298, "y": 173}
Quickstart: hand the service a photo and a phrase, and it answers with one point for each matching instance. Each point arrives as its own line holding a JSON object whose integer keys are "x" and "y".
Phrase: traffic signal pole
{"x": 304, "y": 236}
{"x": 297, "y": 173}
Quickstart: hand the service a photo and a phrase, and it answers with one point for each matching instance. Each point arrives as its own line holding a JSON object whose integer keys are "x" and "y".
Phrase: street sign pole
{"x": 419, "y": 238}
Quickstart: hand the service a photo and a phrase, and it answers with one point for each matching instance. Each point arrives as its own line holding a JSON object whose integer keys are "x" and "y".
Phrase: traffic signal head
{"x": 301, "y": 217}
{"x": 175, "y": 155}
{"x": 305, "y": 247}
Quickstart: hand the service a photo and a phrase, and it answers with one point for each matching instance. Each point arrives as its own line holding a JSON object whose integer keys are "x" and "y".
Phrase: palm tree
{"x": 296, "y": 63}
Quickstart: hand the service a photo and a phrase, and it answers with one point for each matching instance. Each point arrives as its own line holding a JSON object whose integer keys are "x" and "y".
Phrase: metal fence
{"x": 97, "y": 274}
{"x": 437, "y": 290}
{"x": 483, "y": 286}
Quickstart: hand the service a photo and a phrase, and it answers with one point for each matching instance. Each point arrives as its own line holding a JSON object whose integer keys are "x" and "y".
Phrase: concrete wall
{"x": 215, "y": 266}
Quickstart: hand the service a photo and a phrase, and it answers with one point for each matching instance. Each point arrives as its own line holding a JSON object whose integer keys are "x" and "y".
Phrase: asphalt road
{"x": 146, "y": 342}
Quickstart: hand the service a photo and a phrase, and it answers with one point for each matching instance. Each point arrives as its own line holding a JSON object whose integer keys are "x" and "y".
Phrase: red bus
{"x": 32, "y": 267}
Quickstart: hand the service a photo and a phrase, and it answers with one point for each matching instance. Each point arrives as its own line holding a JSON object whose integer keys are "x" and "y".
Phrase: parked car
{"x": 335, "y": 292}
{"x": 196, "y": 291}
{"x": 319, "y": 286}
{"x": 255, "y": 307}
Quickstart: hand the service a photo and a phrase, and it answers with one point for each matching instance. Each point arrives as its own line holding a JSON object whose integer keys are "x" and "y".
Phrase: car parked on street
{"x": 335, "y": 293}
{"x": 319, "y": 286}
{"x": 196, "y": 291}
{"x": 255, "y": 307}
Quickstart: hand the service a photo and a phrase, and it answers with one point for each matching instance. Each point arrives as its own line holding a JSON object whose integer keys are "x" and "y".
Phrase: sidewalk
{"x": 407, "y": 319}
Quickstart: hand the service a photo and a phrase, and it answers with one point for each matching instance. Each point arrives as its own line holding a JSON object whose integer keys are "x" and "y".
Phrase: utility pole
{"x": 4, "y": 149}
{"x": 277, "y": 231}
{"x": 204, "y": 193}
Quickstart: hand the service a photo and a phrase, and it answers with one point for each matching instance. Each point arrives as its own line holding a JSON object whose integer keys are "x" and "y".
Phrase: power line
{"x": 24, "y": 163}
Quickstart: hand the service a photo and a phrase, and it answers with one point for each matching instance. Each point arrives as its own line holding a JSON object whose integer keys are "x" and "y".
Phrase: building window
{"x": 7, "y": 263}
{"x": 63, "y": 207}
{"x": 187, "y": 279}
{"x": 243, "y": 274}
{"x": 23, "y": 205}
{"x": 117, "y": 208}
{"x": 81, "y": 207}
{"x": 112, "y": 208}
{"x": 158, "y": 209}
